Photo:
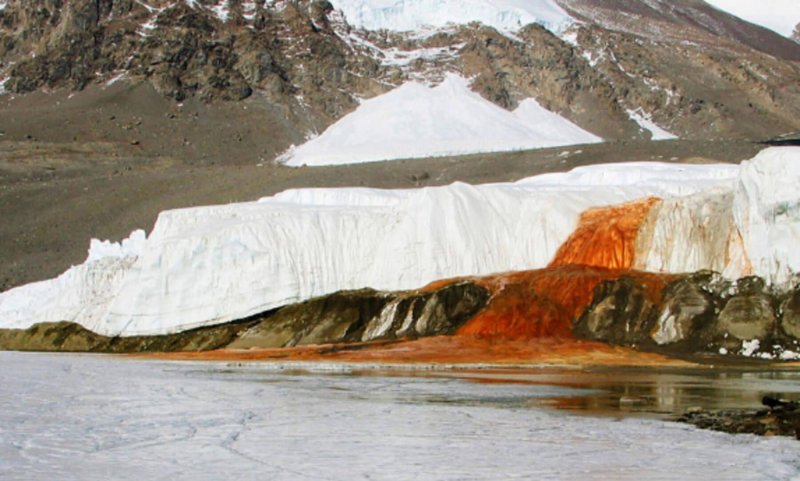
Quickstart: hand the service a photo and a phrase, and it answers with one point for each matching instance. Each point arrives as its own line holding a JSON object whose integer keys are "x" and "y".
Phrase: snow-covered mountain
{"x": 619, "y": 70}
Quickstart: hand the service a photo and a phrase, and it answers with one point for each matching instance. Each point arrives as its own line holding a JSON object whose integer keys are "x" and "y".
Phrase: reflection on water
{"x": 658, "y": 393}
{"x": 651, "y": 392}
{"x": 90, "y": 418}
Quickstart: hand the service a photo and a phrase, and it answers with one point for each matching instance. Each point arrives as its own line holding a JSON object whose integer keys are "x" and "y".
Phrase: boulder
{"x": 620, "y": 313}
{"x": 748, "y": 314}
{"x": 688, "y": 306}
{"x": 367, "y": 315}
{"x": 790, "y": 315}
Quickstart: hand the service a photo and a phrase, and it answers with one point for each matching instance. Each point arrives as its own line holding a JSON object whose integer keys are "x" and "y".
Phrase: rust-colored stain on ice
{"x": 606, "y": 236}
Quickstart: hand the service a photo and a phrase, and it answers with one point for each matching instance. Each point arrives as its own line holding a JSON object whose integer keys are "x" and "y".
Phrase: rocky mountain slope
{"x": 697, "y": 72}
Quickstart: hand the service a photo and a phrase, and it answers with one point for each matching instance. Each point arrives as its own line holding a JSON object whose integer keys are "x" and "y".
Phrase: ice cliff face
{"x": 209, "y": 265}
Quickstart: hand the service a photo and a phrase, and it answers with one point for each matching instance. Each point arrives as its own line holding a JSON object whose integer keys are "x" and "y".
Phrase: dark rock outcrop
{"x": 790, "y": 314}
{"x": 70, "y": 337}
{"x": 698, "y": 313}
{"x": 620, "y": 313}
{"x": 748, "y": 314}
{"x": 689, "y": 307}
{"x": 367, "y": 315}
{"x": 780, "y": 418}
{"x": 342, "y": 317}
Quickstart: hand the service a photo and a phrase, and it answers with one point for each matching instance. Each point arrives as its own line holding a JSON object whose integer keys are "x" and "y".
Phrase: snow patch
{"x": 646, "y": 123}
{"x": 415, "y": 15}
{"x": 222, "y": 10}
{"x": 415, "y": 121}
{"x": 116, "y": 78}
{"x": 750, "y": 347}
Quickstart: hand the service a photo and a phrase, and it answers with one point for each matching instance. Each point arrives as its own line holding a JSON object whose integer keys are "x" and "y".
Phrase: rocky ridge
{"x": 693, "y": 70}
{"x": 701, "y": 312}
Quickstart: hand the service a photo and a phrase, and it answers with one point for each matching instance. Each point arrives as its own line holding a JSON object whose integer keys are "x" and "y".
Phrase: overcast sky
{"x": 778, "y": 15}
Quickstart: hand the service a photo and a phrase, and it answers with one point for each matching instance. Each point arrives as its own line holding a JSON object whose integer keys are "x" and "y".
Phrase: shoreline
{"x": 464, "y": 353}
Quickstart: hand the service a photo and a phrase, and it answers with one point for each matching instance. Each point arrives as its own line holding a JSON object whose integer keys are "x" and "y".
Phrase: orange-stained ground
{"x": 606, "y": 236}
{"x": 446, "y": 350}
{"x": 544, "y": 303}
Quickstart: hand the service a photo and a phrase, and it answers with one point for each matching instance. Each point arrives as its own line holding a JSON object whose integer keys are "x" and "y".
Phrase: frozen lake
{"x": 99, "y": 418}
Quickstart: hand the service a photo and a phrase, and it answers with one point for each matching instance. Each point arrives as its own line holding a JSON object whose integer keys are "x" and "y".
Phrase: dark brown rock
{"x": 367, "y": 315}
{"x": 749, "y": 314}
{"x": 620, "y": 313}
{"x": 70, "y": 337}
{"x": 778, "y": 420}
{"x": 790, "y": 314}
{"x": 689, "y": 305}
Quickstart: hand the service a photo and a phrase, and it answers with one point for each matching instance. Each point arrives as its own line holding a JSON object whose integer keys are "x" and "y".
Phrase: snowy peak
{"x": 417, "y": 15}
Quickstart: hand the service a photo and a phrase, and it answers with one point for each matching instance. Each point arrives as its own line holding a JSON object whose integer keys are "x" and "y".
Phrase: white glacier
{"x": 414, "y": 15}
{"x": 206, "y": 265}
{"x": 81, "y": 293}
{"x": 415, "y": 121}
{"x": 766, "y": 207}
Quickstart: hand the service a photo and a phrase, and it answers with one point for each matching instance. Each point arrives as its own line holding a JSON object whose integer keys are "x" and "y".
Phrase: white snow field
{"x": 95, "y": 418}
{"x": 780, "y": 16}
{"x": 207, "y": 265}
{"x": 646, "y": 124}
{"x": 415, "y": 121}
{"x": 415, "y": 15}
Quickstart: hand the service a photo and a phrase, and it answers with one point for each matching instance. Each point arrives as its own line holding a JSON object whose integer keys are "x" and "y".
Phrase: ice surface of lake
{"x": 99, "y": 418}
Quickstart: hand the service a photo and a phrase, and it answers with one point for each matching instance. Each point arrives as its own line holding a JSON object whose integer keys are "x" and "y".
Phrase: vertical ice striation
{"x": 766, "y": 208}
